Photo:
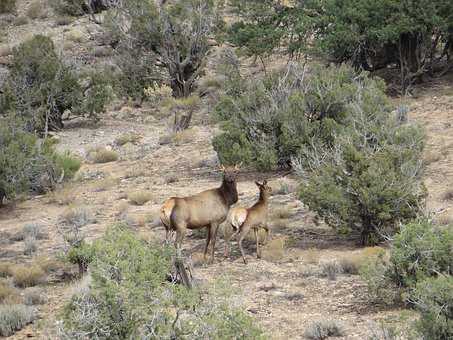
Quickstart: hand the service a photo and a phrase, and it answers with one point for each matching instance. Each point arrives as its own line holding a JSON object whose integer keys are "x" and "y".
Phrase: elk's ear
{"x": 237, "y": 167}
{"x": 222, "y": 168}
{"x": 265, "y": 182}
{"x": 258, "y": 184}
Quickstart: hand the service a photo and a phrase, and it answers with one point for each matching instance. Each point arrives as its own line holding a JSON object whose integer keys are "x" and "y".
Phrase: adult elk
{"x": 255, "y": 217}
{"x": 207, "y": 209}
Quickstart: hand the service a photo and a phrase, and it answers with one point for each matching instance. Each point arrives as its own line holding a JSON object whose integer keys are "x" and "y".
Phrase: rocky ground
{"x": 286, "y": 290}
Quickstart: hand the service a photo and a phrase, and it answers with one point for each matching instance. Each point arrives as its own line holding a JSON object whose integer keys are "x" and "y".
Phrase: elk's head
{"x": 230, "y": 174}
{"x": 265, "y": 190}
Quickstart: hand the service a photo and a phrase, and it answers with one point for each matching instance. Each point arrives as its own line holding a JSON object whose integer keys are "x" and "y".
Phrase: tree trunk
{"x": 366, "y": 238}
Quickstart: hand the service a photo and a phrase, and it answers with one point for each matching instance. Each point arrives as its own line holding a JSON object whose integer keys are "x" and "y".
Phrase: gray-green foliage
{"x": 418, "y": 271}
{"x": 433, "y": 297}
{"x": 419, "y": 251}
{"x": 131, "y": 297}
{"x": 14, "y": 318}
{"x": 26, "y": 164}
{"x": 41, "y": 87}
{"x": 169, "y": 40}
{"x": 81, "y": 7}
{"x": 360, "y": 165}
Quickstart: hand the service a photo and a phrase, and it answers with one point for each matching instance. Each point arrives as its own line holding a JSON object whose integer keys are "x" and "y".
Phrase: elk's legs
{"x": 180, "y": 232}
{"x": 258, "y": 253}
{"x": 208, "y": 240}
{"x": 241, "y": 238}
{"x": 214, "y": 227}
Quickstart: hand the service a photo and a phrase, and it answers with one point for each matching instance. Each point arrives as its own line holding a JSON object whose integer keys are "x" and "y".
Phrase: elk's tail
{"x": 165, "y": 213}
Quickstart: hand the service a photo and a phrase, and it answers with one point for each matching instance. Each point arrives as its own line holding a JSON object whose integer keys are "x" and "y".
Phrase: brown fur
{"x": 206, "y": 209}
{"x": 255, "y": 218}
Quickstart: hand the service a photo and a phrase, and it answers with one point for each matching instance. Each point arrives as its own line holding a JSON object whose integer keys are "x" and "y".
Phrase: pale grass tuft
{"x": 283, "y": 212}
{"x": 64, "y": 196}
{"x": 105, "y": 184}
{"x": 37, "y": 10}
{"x": 445, "y": 218}
{"x": 139, "y": 197}
{"x": 8, "y": 294}
{"x": 132, "y": 138}
{"x": 28, "y": 275}
{"x": 5, "y": 269}
{"x": 34, "y": 296}
{"x": 76, "y": 215}
{"x": 311, "y": 256}
{"x": 274, "y": 250}
{"x": 14, "y": 317}
{"x": 323, "y": 329}
{"x": 101, "y": 155}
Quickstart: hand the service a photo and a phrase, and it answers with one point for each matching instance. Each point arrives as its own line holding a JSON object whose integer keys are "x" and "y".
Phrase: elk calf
{"x": 206, "y": 209}
{"x": 255, "y": 217}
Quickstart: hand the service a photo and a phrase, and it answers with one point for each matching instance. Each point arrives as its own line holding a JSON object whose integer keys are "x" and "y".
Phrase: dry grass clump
{"x": 283, "y": 212}
{"x": 350, "y": 263}
{"x": 8, "y": 294}
{"x": 132, "y": 138}
{"x": 448, "y": 195}
{"x": 139, "y": 197}
{"x": 274, "y": 250}
{"x": 311, "y": 256}
{"x": 49, "y": 264}
{"x": 37, "y": 10}
{"x": 5, "y": 269}
{"x": 34, "y": 296}
{"x": 63, "y": 20}
{"x": 21, "y": 20}
{"x": 283, "y": 187}
{"x": 135, "y": 172}
{"x": 64, "y": 196}
{"x": 30, "y": 246}
{"x": 75, "y": 36}
{"x": 101, "y": 155}
{"x": 323, "y": 329}
{"x": 35, "y": 230}
{"x": 28, "y": 275}
{"x": 14, "y": 317}
{"x": 432, "y": 157}
{"x": 78, "y": 216}
{"x": 184, "y": 136}
{"x": 105, "y": 184}
{"x": 330, "y": 269}
{"x": 445, "y": 219}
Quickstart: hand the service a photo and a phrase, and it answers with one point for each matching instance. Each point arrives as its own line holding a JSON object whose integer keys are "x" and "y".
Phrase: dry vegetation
{"x": 308, "y": 277}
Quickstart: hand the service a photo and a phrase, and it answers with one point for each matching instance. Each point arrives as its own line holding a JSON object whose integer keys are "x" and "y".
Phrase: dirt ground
{"x": 284, "y": 290}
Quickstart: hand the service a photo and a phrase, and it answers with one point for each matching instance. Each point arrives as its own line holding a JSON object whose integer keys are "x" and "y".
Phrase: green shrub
{"x": 130, "y": 297}
{"x": 7, "y": 6}
{"x": 28, "y": 276}
{"x": 371, "y": 35}
{"x": 359, "y": 165}
{"x": 80, "y": 7}
{"x": 433, "y": 297}
{"x": 81, "y": 254}
{"x": 380, "y": 288}
{"x": 41, "y": 87}
{"x": 27, "y": 165}
{"x": 172, "y": 37}
{"x": 419, "y": 251}
{"x": 14, "y": 318}
{"x": 68, "y": 163}
{"x": 68, "y": 7}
